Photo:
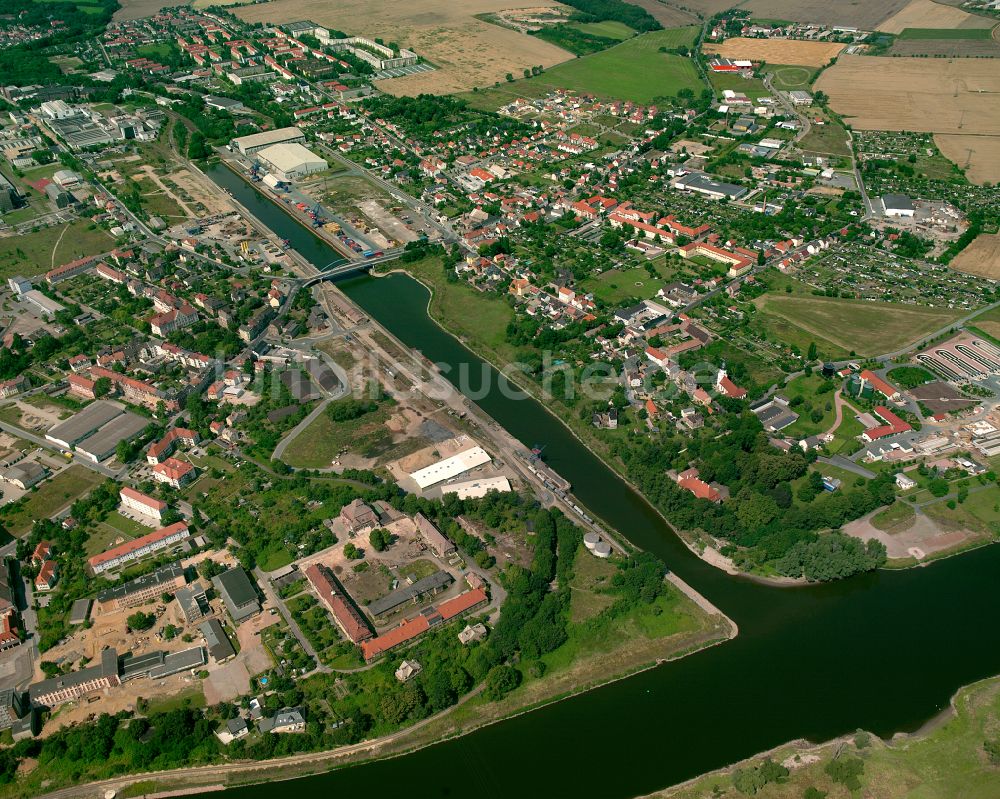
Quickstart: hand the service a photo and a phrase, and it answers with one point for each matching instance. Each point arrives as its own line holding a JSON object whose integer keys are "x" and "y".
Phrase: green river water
{"x": 884, "y": 651}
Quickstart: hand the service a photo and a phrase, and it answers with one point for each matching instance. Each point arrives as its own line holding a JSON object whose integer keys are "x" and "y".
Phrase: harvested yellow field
{"x": 466, "y": 51}
{"x": 979, "y": 156}
{"x": 777, "y": 51}
{"x": 935, "y": 95}
{"x": 981, "y": 258}
{"x": 927, "y": 14}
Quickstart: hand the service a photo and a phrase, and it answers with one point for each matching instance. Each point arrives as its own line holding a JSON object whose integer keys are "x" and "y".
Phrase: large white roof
{"x": 450, "y": 467}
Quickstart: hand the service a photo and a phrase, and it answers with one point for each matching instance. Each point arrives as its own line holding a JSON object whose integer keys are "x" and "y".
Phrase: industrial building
{"x": 249, "y": 145}
{"x": 66, "y": 687}
{"x": 85, "y": 423}
{"x": 216, "y": 640}
{"x": 897, "y": 205}
{"x": 239, "y": 594}
{"x": 432, "y": 584}
{"x": 142, "y": 589}
{"x": 713, "y": 189}
{"x": 450, "y": 467}
{"x": 10, "y": 197}
{"x": 476, "y": 489}
{"x": 288, "y": 161}
{"x": 102, "y": 444}
{"x": 45, "y": 305}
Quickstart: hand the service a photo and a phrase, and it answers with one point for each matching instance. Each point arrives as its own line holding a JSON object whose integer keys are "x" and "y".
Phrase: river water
{"x": 883, "y": 651}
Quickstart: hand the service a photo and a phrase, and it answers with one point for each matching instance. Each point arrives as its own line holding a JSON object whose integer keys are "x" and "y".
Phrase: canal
{"x": 883, "y": 651}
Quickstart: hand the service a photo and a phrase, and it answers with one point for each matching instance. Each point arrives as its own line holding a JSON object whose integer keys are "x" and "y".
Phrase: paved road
{"x": 42, "y": 442}
{"x": 847, "y": 465}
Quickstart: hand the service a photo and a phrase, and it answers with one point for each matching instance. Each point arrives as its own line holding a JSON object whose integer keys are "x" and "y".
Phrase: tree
{"x": 500, "y": 681}
{"x": 140, "y": 621}
{"x": 102, "y": 386}
{"x": 847, "y": 771}
{"x": 379, "y": 539}
{"x": 811, "y": 354}
{"x": 351, "y": 552}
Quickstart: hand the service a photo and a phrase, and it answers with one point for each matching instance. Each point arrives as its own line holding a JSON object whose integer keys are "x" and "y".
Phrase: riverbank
{"x": 946, "y": 758}
{"x": 583, "y": 434}
{"x": 632, "y": 652}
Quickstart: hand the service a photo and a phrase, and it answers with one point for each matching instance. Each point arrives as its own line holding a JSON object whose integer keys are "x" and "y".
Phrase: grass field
{"x": 609, "y": 29}
{"x": 35, "y": 253}
{"x": 949, "y": 761}
{"x": 633, "y": 70}
{"x": 781, "y": 329}
{"x": 615, "y": 285}
{"x": 62, "y": 490}
{"x": 945, "y": 33}
{"x": 806, "y": 386}
{"x": 866, "y": 328}
{"x": 829, "y": 138}
{"x": 792, "y": 77}
{"x": 479, "y": 319}
{"x": 897, "y": 517}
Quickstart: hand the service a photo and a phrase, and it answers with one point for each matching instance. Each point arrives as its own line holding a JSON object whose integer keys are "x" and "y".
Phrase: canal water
{"x": 883, "y": 651}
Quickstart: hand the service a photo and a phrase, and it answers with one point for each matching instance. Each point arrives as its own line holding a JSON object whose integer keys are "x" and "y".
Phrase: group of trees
{"x": 762, "y": 520}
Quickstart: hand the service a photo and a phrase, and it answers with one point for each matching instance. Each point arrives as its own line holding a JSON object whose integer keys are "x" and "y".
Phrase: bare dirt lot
{"x": 466, "y": 51}
{"x": 864, "y": 14}
{"x": 777, "y": 51}
{"x": 927, "y": 14}
{"x": 981, "y": 258}
{"x": 917, "y": 94}
{"x": 979, "y": 156}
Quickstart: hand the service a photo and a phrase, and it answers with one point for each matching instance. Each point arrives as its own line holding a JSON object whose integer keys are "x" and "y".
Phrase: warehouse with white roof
{"x": 248, "y": 145}
{"x": 450, "y": 467}
{"x": 288, "y": 161}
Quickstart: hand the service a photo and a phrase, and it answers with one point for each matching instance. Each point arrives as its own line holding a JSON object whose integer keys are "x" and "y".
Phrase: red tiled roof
{"x": 137, "y": 543}
{"x": 173, "y": 469}
{"x": 699, "y": 488}
{"x": 893, "y": 424}
{"x": 880, "y": 385}
{"x": 145, "y": 499}
{"x": 346, "y": 614}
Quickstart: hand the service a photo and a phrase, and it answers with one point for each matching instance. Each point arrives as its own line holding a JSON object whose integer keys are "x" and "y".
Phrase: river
{"x": 884, "y": 651}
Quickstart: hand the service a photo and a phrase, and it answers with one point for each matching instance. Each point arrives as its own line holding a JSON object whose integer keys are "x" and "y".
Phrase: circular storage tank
{"x": 591, "y": 540}
{"x": 602, "y": 549}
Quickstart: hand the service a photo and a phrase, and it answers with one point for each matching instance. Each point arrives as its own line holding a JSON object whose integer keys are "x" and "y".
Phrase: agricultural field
{"x": 953, "y": 43}
{"x": 863, "y": 15}
{"x": 137, "y": 9}
{"x": 779, "y": 51}
{"x": 979, "y": 156}
{"x": 981, "y": 258}
{"x": 866, "y": 328}
{"x": 928, "y": 14}
{"x": 917, "y": 94}
{"x": 466, "y": 51}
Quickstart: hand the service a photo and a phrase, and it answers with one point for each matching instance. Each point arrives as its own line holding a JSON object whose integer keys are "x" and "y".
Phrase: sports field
{"x": 791, "y": 77}
{"x": 779, "y": 51}
{"x": 866, "y": 328}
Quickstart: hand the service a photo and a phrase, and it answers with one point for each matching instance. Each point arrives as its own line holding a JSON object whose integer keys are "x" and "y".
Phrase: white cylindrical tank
{"x": 602, "y": 549}
{"x": 591, "y": 540}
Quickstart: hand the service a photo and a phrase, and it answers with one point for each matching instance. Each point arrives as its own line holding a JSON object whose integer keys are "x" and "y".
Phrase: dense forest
{"x": 618, "y": 11}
